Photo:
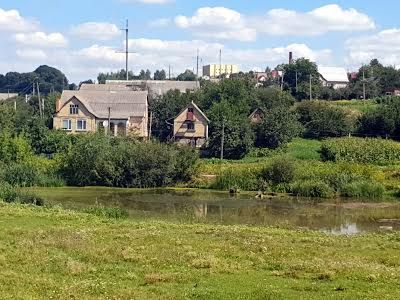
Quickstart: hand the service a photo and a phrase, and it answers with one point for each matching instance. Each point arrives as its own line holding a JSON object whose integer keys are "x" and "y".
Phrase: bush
{"x": 107, "y": 212}
{"x": 10, "y": 195}
{"x": 363, "y": 189}
{"x": 312, "y": 189}
{"x": 282, "y": 170}
{"x": 21, "y": 175}
{"x": 361, "y": 150}
{"x": 324, "y": 120}
{"x": 99, "y": 160}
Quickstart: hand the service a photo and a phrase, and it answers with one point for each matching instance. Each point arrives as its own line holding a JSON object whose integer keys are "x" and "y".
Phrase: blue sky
{"x": 82, "y": 37}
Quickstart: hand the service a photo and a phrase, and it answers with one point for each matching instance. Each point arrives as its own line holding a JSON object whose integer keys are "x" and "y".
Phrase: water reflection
{"x": 220, "y": 208}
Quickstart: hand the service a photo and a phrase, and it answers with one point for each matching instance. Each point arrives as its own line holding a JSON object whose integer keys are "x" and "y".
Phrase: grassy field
{"x": 56, "y": 254}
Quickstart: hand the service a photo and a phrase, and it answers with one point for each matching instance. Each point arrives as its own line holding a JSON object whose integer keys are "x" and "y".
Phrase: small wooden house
{"x": 257, "y": 116}
{"x": 191, "y": 126}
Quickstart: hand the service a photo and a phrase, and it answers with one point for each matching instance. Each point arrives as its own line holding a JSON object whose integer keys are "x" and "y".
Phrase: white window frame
{"x": 69, "y": 128}
{"x": 84, "y": 128}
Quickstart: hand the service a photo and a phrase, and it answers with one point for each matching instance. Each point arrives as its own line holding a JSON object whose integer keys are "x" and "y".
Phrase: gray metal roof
{"x": 156, "y": 87}
{"x": 123, "y": 104}
{"x": 333, "y": 74}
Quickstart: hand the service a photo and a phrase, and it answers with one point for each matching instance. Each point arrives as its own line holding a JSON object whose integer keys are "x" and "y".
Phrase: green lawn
{"x": 56, "y": 254}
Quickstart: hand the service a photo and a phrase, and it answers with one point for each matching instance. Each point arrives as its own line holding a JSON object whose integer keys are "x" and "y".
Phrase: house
{"x": 393, "y": 92}
{"x": 155, "y": 88}
{"x": 6, "y": 96}
{"x": 336, "y": 78}
{"x": 191, "y": 126}
{"x": 89, "y": 110}
{"x": 257, "y": 116}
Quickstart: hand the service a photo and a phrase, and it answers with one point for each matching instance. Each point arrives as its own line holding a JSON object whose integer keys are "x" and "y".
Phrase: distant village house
{"x": 257, "y": 116}
{"x": 191, "y": 126}
{"x": 335, "y": 78}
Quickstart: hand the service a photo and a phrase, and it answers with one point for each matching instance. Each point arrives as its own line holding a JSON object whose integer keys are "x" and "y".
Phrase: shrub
{"x": 312, "y": 189}
{"x": 363, "y": 189}
{"x": 107, "y": 212}
{"x": 21, "y": 175}
{"x": 281, "y": 170}
{"x": 244, "y": 179}
{"x": 10, "y": 195}
{"x": 361, "y": 150}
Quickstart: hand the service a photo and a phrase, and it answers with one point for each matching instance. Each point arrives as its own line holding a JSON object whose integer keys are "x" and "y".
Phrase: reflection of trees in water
{"x": 220, "y": 208}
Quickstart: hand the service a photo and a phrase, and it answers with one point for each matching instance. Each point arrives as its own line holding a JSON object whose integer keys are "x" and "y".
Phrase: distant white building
{"x": 6, "y": 96}
{"x": 334, "y": 77}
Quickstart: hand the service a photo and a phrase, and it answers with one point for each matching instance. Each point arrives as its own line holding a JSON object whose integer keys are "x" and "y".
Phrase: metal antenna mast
{"x": 126, "y": 49}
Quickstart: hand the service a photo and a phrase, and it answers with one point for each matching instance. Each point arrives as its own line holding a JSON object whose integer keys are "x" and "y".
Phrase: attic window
{"x": 74, "y": 109}
{"x": 190, "y": 115}
{"x": 190, "y": 126}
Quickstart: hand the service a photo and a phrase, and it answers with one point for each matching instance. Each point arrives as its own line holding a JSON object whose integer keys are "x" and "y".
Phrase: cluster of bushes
{"x": 10, "y": 194}
{"x": 97, "y": 160}
{"x": 306, "y": 179}
{"x": 361, "y": 150}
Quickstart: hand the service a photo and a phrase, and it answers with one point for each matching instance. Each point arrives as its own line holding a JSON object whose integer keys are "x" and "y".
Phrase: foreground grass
{"x": 46, "y": 253}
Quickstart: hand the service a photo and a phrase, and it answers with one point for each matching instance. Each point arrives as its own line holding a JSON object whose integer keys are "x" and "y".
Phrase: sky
{"x": 83, "y": 38}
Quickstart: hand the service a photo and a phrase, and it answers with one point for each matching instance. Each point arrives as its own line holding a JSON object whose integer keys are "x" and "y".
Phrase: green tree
{"x": 279, "y": 126}
{"x": 187, "y": 76}
{"x": 321, "y": 119}
{"x": 160, "y": 75}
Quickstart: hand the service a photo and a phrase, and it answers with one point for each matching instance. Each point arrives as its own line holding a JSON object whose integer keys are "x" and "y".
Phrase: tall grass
{"x": 244, "y": 179}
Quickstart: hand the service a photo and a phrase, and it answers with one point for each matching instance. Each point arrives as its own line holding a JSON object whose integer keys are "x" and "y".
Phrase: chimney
{"x": 58, "y": 105}
{"x": 290, "y": 57}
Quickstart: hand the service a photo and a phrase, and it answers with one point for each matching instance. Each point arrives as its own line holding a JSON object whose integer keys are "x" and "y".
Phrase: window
{"x": 81, "y": 125}
{"x": 73, "y": 109}
{"x": 190, "y": 126}
{"x": 66, "y": 125}
{"x": 190, "y": 110}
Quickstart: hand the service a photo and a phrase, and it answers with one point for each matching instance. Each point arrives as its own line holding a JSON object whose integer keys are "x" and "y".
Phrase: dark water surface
{"x": 336, "y": 217}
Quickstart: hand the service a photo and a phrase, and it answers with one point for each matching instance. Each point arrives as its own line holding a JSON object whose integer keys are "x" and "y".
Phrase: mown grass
{"x": 48, "y": 253}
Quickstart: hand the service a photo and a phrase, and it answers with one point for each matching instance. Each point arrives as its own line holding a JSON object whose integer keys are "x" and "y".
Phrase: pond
{"x": 188, "y": 206}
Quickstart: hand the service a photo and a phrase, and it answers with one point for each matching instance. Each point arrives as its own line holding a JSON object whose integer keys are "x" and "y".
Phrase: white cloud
{"x": 163, "y": 22}
{"x": 384, "y": 45}
{"x": 98, "y": 31}
{"x": 328, "y": 18}
{"x": 217, "y": 23}
{"x": 41, "y": 39}
{"x": 224, "y": 23}
{"x": 31, "y": 54}
{"x": 12, "y": 21}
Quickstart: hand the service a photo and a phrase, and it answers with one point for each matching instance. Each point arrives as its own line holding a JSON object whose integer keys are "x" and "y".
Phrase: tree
{"x": 230, "y": 128}
{"x": 160, "y": 75}
{"x": 321, "y": 119}
{"x": 279, "y": 126}
{"x": 187, "y": 76}
{"x": 301, "y": 69}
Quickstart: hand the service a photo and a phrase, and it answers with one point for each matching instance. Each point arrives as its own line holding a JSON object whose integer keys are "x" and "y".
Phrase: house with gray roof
{"x": 6, "y": 96}
{"x": 118, "y": 112}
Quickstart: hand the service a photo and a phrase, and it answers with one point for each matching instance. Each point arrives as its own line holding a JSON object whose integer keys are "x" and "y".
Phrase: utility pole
{"x": 39, "y": 101}
{"x": 220, "y": 63}
{"x": 197, "y": 65}
{"x": 282, "y": 80}
{"x": 109, "y": 121}
{"x": 364, "y": 93}
{"x": 169, "y": 72}
{"x": 310, "y": 87}
{"x": 297, "y": 80}
{"x": 151, "y": 123}
{"x": 126, "y": 29}
{"x": 222, "y": 139}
